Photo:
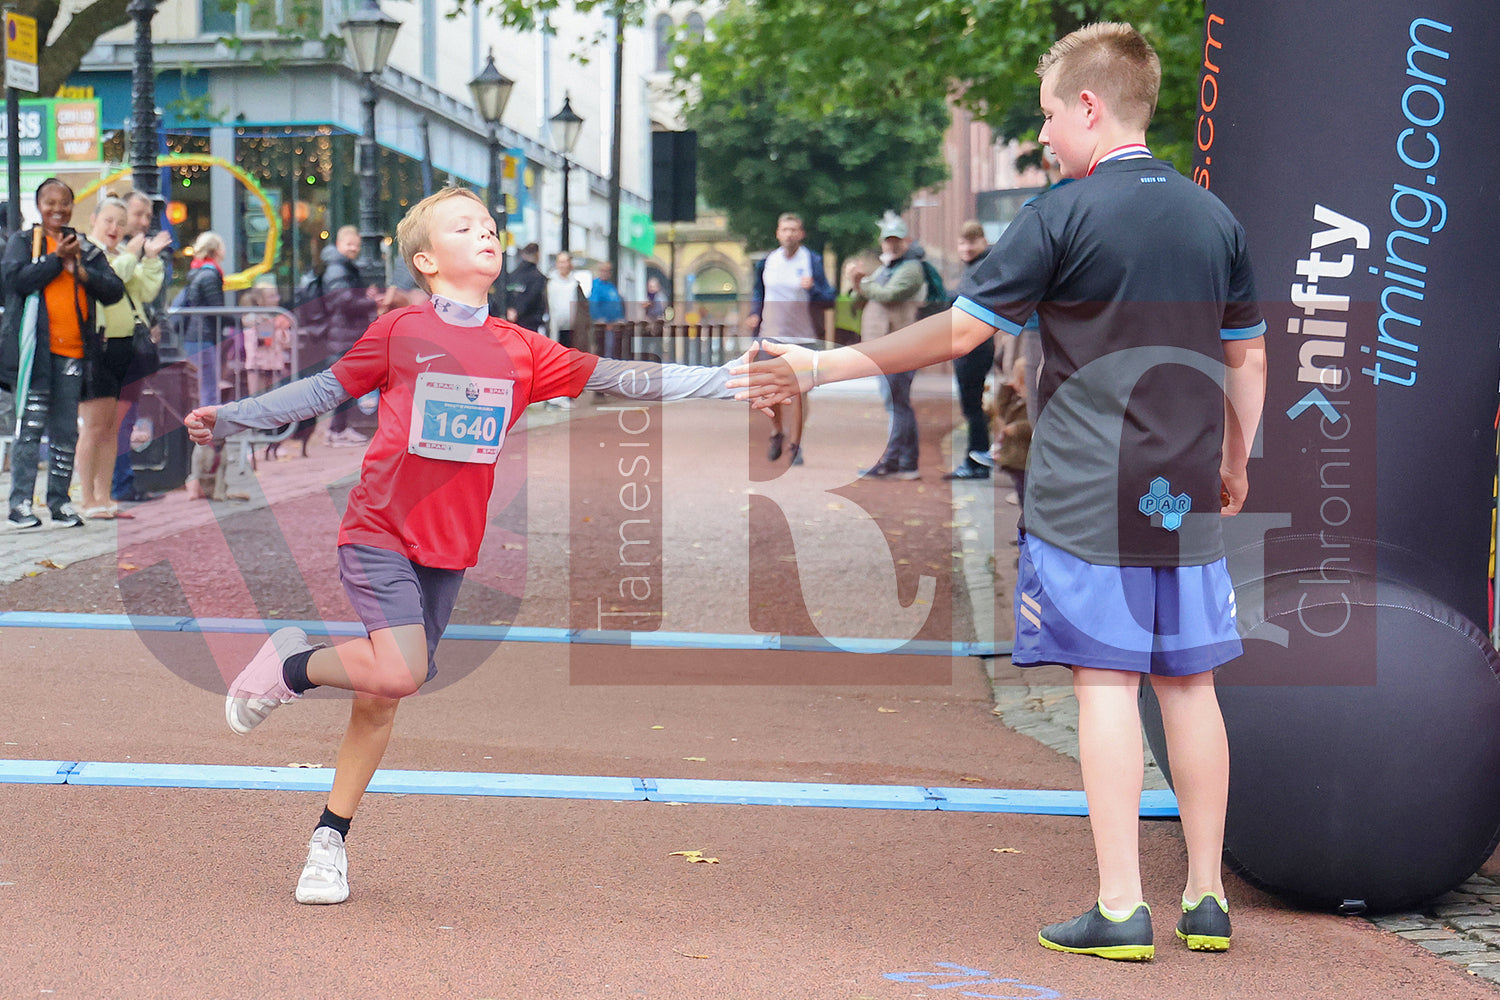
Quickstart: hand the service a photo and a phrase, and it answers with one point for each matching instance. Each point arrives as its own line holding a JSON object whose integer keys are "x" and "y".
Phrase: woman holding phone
{"x": 52, "y": 280}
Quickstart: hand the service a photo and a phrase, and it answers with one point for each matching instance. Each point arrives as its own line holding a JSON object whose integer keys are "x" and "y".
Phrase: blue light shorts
{"x": 1170, "y": 621}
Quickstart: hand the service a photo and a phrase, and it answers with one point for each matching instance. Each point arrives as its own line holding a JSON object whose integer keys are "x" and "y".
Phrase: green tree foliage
{"x": 839, "y": 171}
{"x": 829, "y": 56}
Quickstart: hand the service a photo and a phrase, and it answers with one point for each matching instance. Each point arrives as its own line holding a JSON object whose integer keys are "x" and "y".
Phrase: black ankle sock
{"x": 334, "y": 821}
{"x": 294, "y": 671}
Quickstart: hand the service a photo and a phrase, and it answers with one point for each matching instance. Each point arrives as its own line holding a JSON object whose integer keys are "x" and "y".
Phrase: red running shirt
{"x": 431, "y": 510}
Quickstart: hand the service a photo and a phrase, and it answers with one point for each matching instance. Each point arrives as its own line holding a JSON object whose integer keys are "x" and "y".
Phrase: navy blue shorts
{"x": 1170, "y": 621}
{"x": 387, "y": 589}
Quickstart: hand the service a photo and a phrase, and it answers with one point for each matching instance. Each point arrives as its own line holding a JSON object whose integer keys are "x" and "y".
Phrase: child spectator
{"x": 268, "y": 337}
{"x": 1151, "y": 390}
{"x": 452, "y": 381}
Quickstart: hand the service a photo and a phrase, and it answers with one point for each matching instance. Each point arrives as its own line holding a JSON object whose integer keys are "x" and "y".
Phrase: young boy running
{"x": 452, "y": 382}
{"x": 1151, "y": 390}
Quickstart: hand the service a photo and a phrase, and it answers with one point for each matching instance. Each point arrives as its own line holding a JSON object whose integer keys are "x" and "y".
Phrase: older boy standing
{"x": 1151, "y": 391}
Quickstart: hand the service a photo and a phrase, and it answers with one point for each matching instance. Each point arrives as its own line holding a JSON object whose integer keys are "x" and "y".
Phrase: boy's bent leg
{"x": 392, "y": 663}
{"x": 1198, "y": 752}
{"x": 1109, "y": 750}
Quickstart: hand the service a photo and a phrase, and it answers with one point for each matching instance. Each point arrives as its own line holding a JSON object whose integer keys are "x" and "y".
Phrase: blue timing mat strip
{"x": 1033, "y": 802}
{"x": 499, "y": 633}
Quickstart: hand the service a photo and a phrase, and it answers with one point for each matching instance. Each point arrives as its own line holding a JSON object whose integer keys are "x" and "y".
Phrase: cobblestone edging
{"x": 1462, "y": 926}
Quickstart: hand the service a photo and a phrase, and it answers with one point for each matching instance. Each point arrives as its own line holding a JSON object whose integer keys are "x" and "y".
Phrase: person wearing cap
{"x": 526, "y": 291}
{"x": 890, "y": 297}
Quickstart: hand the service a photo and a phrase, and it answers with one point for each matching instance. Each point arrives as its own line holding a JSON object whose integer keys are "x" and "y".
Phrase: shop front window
{"x": 261, "y": 17}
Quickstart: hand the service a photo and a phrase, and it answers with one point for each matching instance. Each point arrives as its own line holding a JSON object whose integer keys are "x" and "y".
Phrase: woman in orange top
{"x": 69, "y": 276}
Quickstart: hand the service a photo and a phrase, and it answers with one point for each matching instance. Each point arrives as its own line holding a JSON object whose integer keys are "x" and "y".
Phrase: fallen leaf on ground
{"x": 699, "y": 759}
{"x": 1004, "y": 850}
{"x": 970, "y": 779}
{"x": 694, "y": 857}
{"x": 129, "y": 567}
{"x": 688, "y": 955}
{"x": 888, "y": 711}
{"x": 49, "y": 564}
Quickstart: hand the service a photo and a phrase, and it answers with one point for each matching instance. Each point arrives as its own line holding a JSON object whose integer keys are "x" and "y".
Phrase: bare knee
{"x": 400, "y": 667}
{"x": 393, "y": 682}
{"x": 375, "y": 713}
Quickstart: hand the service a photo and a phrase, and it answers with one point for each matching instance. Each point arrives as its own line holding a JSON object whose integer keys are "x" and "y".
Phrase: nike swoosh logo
{"x": 423, "y": 358}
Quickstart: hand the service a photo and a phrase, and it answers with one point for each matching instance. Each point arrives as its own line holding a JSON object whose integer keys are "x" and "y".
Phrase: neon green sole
{"x": 1117, "y": 952}
{"x": 1204, "y": 942}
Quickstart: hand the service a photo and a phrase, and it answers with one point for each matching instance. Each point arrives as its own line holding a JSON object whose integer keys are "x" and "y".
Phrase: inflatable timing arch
{"x": 1354, "y": 141}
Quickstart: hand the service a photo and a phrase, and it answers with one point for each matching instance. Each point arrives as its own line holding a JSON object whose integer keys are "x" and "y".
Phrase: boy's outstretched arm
{"x": 941, "y": 337}
{"x": 655, "y": 381}
{"x": 1244, "y": 398}
{"x": 300, "y": 400}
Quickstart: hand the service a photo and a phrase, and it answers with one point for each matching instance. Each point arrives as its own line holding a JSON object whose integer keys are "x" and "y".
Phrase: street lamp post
{"x": 370, "y": 33}
{"x": 491, "y": 91}
{"x": 145, "y": 176}
{"x": 571, "y": 124}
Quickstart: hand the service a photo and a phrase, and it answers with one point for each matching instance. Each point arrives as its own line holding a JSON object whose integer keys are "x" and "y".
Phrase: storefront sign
{"x": 58, "y": 131}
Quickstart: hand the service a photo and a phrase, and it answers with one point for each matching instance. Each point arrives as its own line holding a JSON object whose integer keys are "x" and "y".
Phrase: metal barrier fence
{"x": 222, "y": 362}
{"x": 676, "y": 343}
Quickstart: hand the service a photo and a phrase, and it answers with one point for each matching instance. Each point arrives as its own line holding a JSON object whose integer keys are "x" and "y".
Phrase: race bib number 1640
{"x": 458, "y": 418}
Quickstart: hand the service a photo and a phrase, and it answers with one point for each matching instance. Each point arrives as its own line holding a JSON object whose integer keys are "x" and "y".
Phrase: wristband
{"x": 814, "y": 372}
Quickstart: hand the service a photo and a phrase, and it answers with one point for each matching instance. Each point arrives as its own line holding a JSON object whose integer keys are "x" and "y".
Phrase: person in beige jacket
{"x": 890, "y": 298}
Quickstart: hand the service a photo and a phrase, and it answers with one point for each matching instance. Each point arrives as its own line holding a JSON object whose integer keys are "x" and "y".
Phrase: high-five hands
{"x": 775, "y": 380}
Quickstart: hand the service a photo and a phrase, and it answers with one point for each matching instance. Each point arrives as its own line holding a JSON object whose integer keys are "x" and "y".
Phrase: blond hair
{"x": 108, "y": 201}
{"x": 414, "y": 232}
{"x": 1112, "y": 60}
{"x": 208, "y": 244}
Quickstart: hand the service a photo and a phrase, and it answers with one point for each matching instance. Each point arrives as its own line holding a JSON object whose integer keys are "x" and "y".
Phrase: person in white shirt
{"x": 787, "y": 302}
{"x": 567, "y": 308}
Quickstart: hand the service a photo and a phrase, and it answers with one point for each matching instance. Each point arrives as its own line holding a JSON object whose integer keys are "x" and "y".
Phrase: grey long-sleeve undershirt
{"x": 307, "y": 398}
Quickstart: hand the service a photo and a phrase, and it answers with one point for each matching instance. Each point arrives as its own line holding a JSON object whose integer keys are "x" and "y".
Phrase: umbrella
{"x": 26, "y": 358}
{"x": 27, "y": 338}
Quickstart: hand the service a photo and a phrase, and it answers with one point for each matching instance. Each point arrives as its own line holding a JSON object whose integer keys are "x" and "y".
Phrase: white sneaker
{"x": 325, "y": 875}
{"x": 260, "y": 688}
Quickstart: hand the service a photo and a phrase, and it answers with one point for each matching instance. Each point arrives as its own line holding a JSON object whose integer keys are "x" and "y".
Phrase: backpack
{"x": 308, "y": 303}
{"x": 189, "y": 295}
{"x": 937, "y": 295}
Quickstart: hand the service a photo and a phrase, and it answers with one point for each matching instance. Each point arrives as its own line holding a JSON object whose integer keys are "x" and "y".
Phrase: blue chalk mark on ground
{"x": 976, "y": 983}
